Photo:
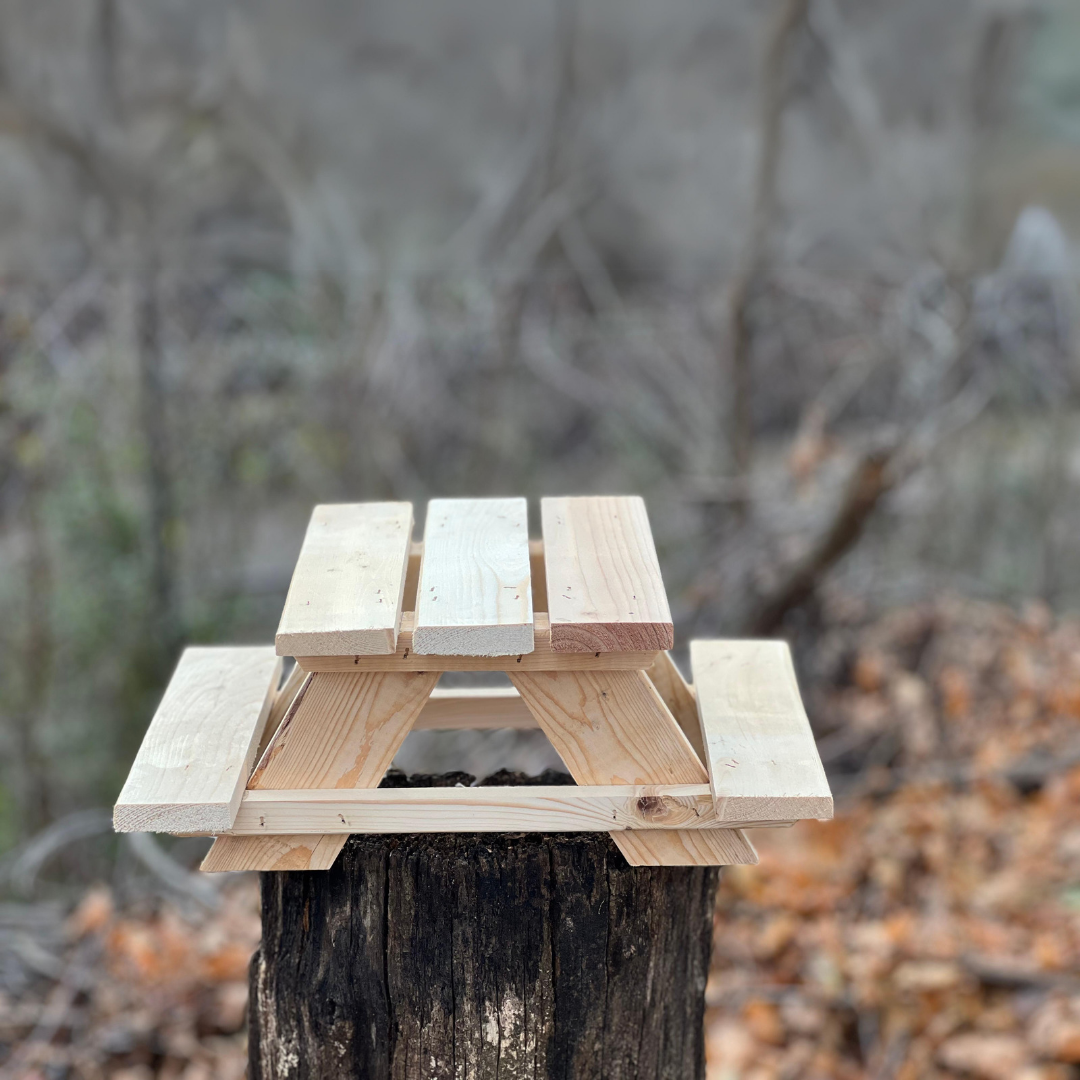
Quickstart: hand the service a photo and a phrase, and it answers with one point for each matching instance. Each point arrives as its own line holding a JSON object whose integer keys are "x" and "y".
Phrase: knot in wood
{"x": 652, "y": 807}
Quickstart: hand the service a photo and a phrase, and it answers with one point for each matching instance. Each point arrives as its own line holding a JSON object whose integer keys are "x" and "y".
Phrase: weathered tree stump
{"x": 459, "y": 956}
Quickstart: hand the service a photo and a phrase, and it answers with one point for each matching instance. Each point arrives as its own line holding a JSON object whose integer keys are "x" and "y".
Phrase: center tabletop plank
{"x": 346, "y": 591}
{"x": 604, "y": 588}
{"x": 474, "y": 597}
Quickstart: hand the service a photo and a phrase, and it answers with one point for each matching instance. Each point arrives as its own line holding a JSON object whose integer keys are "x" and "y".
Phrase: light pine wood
{"x": 760, "y": 748}
{"x": 195, "y": 758}
{"x": 679, "y": 698}
{"x": 277, "y": 852}
{"x": 347, "y": 589}
{"x": 282, "y": 700}
{"x": 540, "y": 659}
{"x": 341, "y": 732}
{"x": 412, "y": 574}
{"x": 614, "y": 728}
{"x": 483, "y": 809}
{"x": 538, "y": 574}
{"x": 474, "y": 709}
{"x": 474, "y": 597}
{"x": 686, "y": 847}
{"x": 604, "y": 588}
{"x": 344, "y": 731}
{"x": 610, "y": 727}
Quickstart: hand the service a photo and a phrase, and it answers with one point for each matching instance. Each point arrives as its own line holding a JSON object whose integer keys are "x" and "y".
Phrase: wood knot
{"x": 651, "y": 806}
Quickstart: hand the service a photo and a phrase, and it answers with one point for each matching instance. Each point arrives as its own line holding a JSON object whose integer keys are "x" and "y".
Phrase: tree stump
{"x": 460, "y": 956}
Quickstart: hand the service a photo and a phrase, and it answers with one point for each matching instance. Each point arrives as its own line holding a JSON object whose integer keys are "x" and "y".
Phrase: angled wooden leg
{"x": 686, "y": 847}
{"x": 679, "y": 698}
{"x": 341, "y": 731}
{"x": 612, "y": 727}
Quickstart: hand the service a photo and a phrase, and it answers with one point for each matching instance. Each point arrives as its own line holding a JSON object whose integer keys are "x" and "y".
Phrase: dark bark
{"x": 509, "y": 956}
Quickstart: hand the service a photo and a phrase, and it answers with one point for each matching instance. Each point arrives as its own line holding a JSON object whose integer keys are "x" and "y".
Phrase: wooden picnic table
{"x": 283, "y": 769}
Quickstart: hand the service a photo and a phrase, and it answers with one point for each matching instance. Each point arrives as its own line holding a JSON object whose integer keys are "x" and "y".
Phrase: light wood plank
{"x": 347, "y": 588}
{"x": 475, "y": 708}
{"x": 679, "y": 698}
{"x": 282, "y": 700}
{"x": 614, "y": 728}
{"x": 475, "y": 595}
{"x": 760, "y": 748}
{"x": 195, "y": 758}
{"x": 686, "y": 847}
{"x": 482, "y": 809}
{"x": 277, "y": 852}
{"x": 604, "y": 588}
{"x": 610, "y": 727}
{"x": 542, "y": 658}
{"x": 342, "y": 731}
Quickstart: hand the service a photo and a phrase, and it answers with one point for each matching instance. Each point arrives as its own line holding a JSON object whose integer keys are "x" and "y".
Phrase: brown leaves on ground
{"x": 932, "y": 929}
{"x": 144, "y": 996}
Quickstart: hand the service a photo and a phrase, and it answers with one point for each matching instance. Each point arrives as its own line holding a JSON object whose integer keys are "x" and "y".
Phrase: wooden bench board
{"x": 196, "y": 756}
{"x": 760, "y": 748}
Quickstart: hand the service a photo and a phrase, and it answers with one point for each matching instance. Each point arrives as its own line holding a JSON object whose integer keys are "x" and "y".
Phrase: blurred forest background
{"x": 803, "y": 273}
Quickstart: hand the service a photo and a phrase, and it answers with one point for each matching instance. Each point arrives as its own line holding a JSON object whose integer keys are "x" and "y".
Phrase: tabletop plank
{"x": 604, "y": 589}
{"x": 346, "y": 591}
{"x": 474, "y": 597}
{"x": 760, "y": 748}
{"x": 194, "y": 761}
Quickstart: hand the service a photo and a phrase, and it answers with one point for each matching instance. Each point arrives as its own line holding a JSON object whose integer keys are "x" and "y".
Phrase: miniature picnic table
{"x": 282, "y": 773}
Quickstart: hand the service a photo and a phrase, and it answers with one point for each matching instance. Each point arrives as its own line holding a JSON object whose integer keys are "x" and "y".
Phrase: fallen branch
{"x": 871, "y": 479}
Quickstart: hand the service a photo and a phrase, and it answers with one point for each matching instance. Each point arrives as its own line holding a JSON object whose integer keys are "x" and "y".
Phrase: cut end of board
{"x": 201, "y": 819}
{"x": 473, "y": 641}
{"x": 576, "y": 637}
{"x": 372, "y": 642}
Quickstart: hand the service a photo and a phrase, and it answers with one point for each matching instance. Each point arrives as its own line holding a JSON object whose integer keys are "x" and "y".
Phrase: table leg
{"x": 341, "y": 731}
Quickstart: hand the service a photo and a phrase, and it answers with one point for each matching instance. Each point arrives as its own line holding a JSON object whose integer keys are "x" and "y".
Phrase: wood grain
{"x": 614, "y": 728}
{"x": 474, "y": 597}
{"x": 483, "y": 809}
{"x": 542, "y": 658}
{"x": 347, "y": 588}
{"x": 517, "y": 957}
{"x": 277, "y": 852}
{"x": 341, "y": 732}
{"x": 610, "y": 727}
{"x": 760, "y": 748}
{"x": 282, "y": 700}
{"x": 679, "y": 698}
{"x": 474, "y": 709}
{"x": 194, "y": 760}
{"x": 604, "y": 588}
{"x": 344, "y": 731}
{"x": 687, "y": 847}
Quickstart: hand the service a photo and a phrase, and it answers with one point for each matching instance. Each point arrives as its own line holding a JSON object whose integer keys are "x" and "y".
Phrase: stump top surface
{"x": 476, "y": 586}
